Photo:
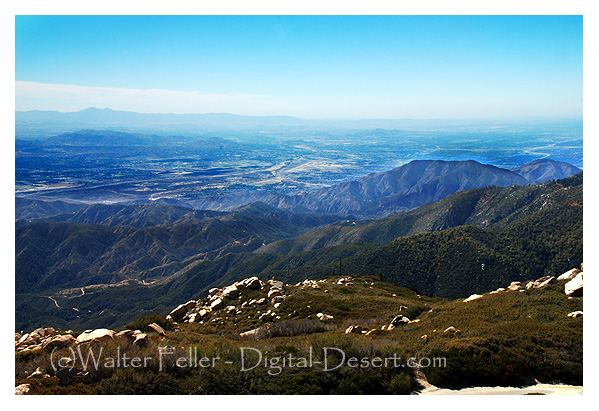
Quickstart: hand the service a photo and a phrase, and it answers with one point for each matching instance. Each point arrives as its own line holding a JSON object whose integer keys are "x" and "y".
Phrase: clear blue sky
{"x": 305, "y": 66}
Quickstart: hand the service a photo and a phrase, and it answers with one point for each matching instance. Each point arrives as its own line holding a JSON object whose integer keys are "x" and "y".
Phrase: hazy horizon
{"x": 312, "y": 67}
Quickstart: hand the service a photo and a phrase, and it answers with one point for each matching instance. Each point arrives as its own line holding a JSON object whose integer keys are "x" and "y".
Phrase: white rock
{"x": 216, "y": 304}
{"x": 575, "y": 314}
{"x": 514, "y": 286}
{"x": 231, "y": 292}
{"x": 354, "y": 329}
{"x": 141, "y": 340}
{"x": 573, "y": 287}
{"x": 178, "y": 312}
{"x": 22, "y": 389}
{"x": 568, "y": 275}
{"x": 274, "y": 292}
{"x": 101, "y": 334}
{"x": 472, "y": 297}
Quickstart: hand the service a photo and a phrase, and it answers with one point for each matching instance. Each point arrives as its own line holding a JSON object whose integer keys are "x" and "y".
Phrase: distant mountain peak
{"x": 545, "y": 169}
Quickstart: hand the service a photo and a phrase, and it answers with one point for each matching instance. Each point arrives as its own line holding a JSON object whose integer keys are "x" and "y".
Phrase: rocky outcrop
{"x": 101, "y": 334}
{"x": 217, "y": 304}
{"x": 354, "y": 329}
{"x": 515, "y": 286}
{"x": 324, "y": 317}
{"x": 541, "y": 282}
{"x": 399, "y": 320}
{"x": 231, "y": 300}
{"x": 154, "y": 328}
{"x": 141, "y": 340}
{"x": 568, "y": 275}
{"x": 66, "y": 340}
{"x": 38, "y": 374}
{"x": 472, "y": 297}
{"x": 178, "y": 312}
{"x": 573, "y": 288}
{"x": 42, "y": 338}
{"x": 231, "y": 292}
{"x": 22, "y": 389}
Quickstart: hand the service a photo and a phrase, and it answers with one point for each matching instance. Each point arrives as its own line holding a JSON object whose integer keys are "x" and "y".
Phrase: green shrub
{"x": 129, "y": 381}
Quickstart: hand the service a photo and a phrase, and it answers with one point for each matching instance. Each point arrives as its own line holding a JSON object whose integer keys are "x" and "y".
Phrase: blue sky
{"x": 306, "y": 66}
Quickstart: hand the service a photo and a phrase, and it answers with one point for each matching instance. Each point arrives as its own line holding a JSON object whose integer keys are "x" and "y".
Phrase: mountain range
{"x": 470, "y": 240}
{"x": 107, "y": 117}
{"x": 415, "y": 184}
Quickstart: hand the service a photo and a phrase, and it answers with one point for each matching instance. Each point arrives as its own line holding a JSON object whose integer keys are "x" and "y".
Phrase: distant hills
{"x": 486, "y": 207}
{"x": 545, "y": 169}
{"x": 401, "y": 189}
{"x": 375, "y": 196}
{"x": 107, "y": 117}
{"x": 105, "y": 244}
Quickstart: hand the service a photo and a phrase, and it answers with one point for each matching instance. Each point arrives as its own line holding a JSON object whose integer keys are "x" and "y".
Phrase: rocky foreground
{"x": 362, "y": 308}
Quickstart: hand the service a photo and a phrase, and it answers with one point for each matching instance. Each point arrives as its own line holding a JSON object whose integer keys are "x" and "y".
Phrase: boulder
{"x": 154, "y": 328}
{"x": 451, "y": 329}
{"x": 473, "y": 297}
{"x": 49, "y": 332}
{"x": 190, "y": 305}
{"x": 354, "y": 329}
{"x": 128, "y": 334}
{"x": 400, "y": 320}
{"x": 22, "y": 389}
{"x": 179, "y": 312}
{"x": 37, "y": 374}
{"x": 497, "y": 291}
{"x": 23, "y": 338}
{"x": 324, "y": 317}
{"x": 217, "y": 304}
{"x": 101, "y": 334}
{"x": 575, "y": 314}
{"x": 276, "y": 284}
{"x": 274, "y": 292}
{"x": 213, "y": 291}
{"x": 541, "y": 282}
{"x": 231, "y": 292}
{"x": 573, "y": 288}
{"x": 515, "y": 286}
{"x": 40, "y": 331}
{"x": 202, "y": 312}
{"x": 568, "y": 275}
{"x": 424, "y": 337}
{"x": 65, "y": 340}
{"x": 141, "y": 340}
{"x": 252, "y": 283}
